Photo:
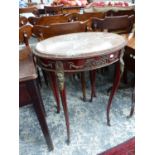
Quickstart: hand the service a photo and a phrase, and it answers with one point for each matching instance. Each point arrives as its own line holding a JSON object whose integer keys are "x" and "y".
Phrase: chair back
{"x": 33, "y": 20}
{"x": 22, "y": 21}
{"x": 86, "y": 16}
{"x": 117, "y": 24}
{"x": 32, "y": 9}
{"x": 43, "y": 32}
{"x": 47, "y": 20}
{"x": 72, "y": 16}
{"x": 120, "y": 12}
{"x": 25, "y": 32}
{"x": 52, "y": 10}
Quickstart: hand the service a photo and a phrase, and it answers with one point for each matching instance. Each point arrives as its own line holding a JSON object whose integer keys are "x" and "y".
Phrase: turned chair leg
{"x": 33, "y": 89}
{"x": 92, "y": 75}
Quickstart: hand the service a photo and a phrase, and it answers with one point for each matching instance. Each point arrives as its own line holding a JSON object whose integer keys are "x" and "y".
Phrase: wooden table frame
{"x": 58, "y": 67}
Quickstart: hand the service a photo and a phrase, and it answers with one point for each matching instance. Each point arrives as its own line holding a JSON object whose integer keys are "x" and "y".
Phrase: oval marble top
{"x": 79, "y": 45}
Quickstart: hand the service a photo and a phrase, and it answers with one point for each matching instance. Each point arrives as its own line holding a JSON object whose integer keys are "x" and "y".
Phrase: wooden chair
{"x": 120, "y": 12}
{"x": 33, "y": 20}
{"x": 72, "y": 16}
{"x": 121, "y": 25}
{"x": 32, "y": 9}
{"x": 52, "y": 10}
{"x": 44, "y": 32}
{"x": 117, "y": 24}
{"x": 47, "y": 20}
{"x": 129, "y": 61}
{"x": 28, "y": 84}
{"x": 22, "y": 21}
{"x": 84, "y": 16}
{"x": 25, "y": 32}
{"x": 29, "y": 93}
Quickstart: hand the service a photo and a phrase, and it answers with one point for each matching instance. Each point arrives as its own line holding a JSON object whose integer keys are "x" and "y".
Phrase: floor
{"x": 89, "y": 133}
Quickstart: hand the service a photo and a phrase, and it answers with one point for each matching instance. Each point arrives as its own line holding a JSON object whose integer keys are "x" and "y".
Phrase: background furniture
{"x": 129, "y": 60}
{"x": 29, "y": 92}
{"x": 32, "y": 9}
{"x": 53, "y": 9}
{"x": 22, "y": 21}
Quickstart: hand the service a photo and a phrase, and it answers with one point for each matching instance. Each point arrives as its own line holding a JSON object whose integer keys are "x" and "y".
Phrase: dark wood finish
{"x": 26, "y": 69}
{"x": 43, "y": 32}
{"x": 61, "y": 59}
{"x": 83, "y": 85}
{"x": 84, "y": 16}
{"x": 33, "y": 20}
{"x": 66, "y": 9}
{"x": 53, "y": 9}
{"x": 28, "y": 84}
{"x": 25, "y": 32}
{"x": 32, "y": 9}
{"x": 117, "y": 24}
{"x": 92, "y": 80}
{"x": 72, "y": 9}
{"x": 120, "y": 12}
{"x": 47, "y": 20}
{"x": 24, "y": 97}
{"x": 72, "y": 16}
{"x": 114, "y": 88}
{"x": 33, "y": 89}
{"x": 22, "y": 21}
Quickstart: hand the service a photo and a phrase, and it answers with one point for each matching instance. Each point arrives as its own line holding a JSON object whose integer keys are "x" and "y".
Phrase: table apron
{"x": 79, "y": 65}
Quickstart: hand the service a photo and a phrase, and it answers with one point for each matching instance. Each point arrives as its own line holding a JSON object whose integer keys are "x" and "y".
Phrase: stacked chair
{"x": 29, "y": 92}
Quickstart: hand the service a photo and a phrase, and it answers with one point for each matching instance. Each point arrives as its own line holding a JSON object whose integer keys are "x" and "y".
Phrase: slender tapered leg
{"x": 114, "y": 88}
{"x": 83, "y": 84}
{"x": 64, "y": 103}
{"x": 61, "y": 81}
{"x": 92, "y": 75}
{"x": 33, "y": 89}
{"x": 55, "y": 90}
{"x": 118, "y": 72}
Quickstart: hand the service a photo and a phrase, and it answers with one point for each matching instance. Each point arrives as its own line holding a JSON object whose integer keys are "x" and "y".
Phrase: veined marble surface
{"x": 89, "y": 132}
{"x": 84, "y": 44}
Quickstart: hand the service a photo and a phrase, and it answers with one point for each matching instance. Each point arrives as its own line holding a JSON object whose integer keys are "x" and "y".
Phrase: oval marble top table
{"x": 79, "y": 52}
{"x": 79, "y": 45}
